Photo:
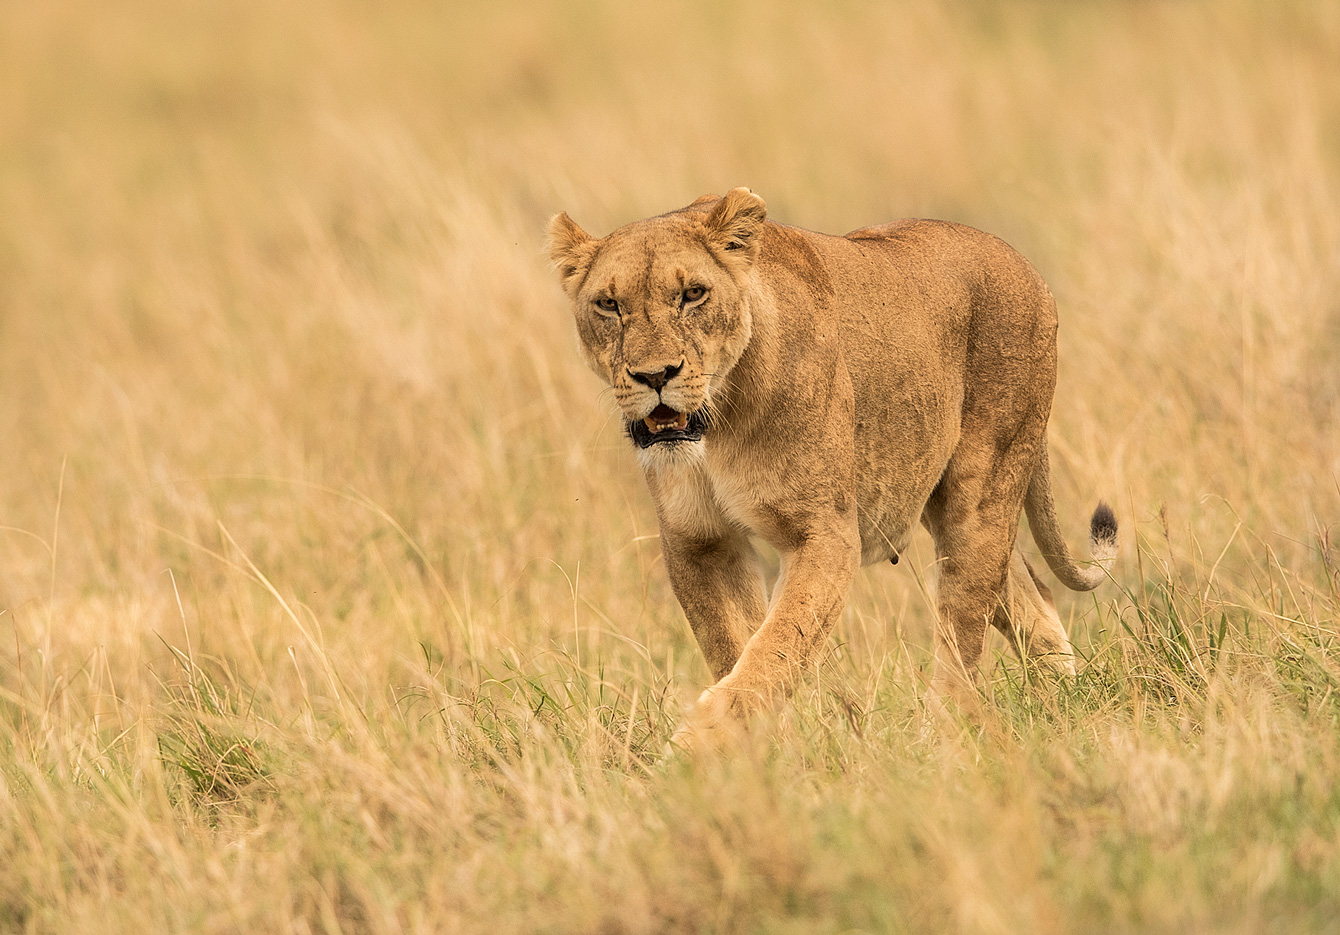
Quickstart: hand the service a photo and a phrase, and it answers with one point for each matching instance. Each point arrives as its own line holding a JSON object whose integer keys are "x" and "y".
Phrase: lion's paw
{"x": 720, "y": 711}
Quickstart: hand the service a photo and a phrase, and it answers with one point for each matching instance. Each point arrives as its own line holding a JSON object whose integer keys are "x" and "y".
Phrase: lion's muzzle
{"x": 667, "y": 425}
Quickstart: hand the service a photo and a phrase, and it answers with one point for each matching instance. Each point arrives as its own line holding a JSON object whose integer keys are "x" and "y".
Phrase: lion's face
{"x": 661, "y": 310}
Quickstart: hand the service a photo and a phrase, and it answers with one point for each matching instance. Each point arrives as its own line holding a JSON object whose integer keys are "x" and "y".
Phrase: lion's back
{"x": 924, "y": 311}
{"x": 930, "y": 276}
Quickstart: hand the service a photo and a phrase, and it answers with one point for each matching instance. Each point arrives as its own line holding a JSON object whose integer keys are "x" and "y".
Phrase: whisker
{"x": 712, "y": 404}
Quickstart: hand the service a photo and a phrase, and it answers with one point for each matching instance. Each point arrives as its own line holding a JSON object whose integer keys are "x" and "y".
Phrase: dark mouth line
{"x": 644, "y": 437}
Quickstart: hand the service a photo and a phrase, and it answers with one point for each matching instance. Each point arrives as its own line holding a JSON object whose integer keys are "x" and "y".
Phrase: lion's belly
{"x": 907, "y": 424}
{"x": 905, "y": 357}
{"x": 894, "y": 481}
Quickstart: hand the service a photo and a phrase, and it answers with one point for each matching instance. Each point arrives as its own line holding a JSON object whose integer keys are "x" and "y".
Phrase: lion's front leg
{"x": 719, "y": 583}
{"x": 811, "y": 593}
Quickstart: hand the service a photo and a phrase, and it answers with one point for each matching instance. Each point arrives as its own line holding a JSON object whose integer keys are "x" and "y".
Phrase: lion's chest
{"x": 701, "y": 502}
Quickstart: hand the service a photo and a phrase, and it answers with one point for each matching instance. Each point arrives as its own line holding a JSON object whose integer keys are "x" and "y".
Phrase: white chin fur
{"x": 671, "y": 454}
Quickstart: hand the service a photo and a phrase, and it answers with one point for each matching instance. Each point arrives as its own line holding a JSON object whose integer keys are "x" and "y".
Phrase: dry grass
{"x": 331, "y": 598}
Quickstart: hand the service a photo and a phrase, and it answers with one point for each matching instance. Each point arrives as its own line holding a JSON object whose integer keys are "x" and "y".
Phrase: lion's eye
{"x": 606, "y": 304}
{"x": 693, "y": 294}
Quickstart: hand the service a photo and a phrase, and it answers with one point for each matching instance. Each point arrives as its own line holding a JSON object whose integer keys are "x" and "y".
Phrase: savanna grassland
{"x": 330, "y": 595}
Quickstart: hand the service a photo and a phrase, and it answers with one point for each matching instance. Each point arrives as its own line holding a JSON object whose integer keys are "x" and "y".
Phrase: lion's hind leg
{"x": 973, "y": 553}
{"x": 973, "y": 516}
{"x": 1028, "y": 618}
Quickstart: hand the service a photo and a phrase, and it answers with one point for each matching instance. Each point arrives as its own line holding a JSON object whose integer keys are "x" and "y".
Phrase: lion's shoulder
{"x": 792, "y": 250}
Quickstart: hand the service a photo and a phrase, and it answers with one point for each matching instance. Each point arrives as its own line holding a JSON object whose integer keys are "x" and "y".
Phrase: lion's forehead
{"x": 650, "y": 260}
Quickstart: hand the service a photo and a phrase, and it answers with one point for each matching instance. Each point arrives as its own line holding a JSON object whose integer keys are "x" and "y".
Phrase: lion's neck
{"x": 755, "y": 384}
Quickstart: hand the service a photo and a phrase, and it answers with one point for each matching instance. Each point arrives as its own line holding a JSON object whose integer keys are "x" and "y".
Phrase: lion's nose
{"x": 657, "y": 379}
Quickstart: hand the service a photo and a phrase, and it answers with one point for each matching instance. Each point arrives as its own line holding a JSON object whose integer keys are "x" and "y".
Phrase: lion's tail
{"x": 1041, "y": 510}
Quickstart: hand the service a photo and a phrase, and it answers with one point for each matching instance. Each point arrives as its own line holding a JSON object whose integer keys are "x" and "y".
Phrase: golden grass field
{"x": 330, "y": 595}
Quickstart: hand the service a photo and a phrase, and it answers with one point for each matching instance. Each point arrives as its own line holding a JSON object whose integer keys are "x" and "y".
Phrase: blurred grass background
{"x": 330, "y": 598}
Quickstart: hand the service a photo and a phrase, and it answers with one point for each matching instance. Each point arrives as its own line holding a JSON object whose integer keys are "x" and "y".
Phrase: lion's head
{"x": 661, "y": 308}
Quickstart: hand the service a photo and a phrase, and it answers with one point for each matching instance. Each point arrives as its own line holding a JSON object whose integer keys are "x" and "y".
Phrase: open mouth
{"x": 667, "y": 425}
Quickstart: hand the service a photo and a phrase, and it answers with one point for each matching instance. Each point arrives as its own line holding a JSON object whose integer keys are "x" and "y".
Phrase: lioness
{"x": 824, "y": 394}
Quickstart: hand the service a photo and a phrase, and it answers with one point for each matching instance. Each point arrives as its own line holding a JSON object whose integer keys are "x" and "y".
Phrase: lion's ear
{"x": 571, "y": 249}
{"x": 734, "y": 224}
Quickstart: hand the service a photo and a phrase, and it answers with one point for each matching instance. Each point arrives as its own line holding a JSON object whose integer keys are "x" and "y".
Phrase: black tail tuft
{"x": 1103, "y": 526}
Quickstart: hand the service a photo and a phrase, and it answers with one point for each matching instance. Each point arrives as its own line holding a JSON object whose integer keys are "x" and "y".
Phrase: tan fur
{"x": 856, "y": 386}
